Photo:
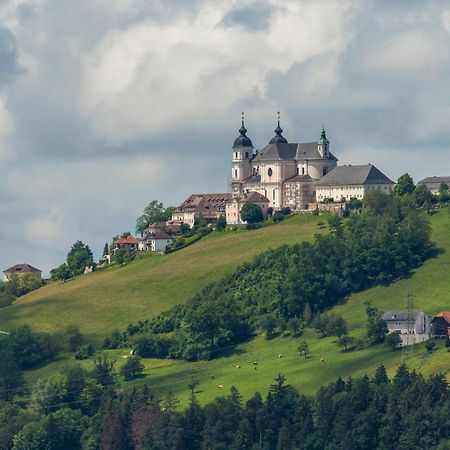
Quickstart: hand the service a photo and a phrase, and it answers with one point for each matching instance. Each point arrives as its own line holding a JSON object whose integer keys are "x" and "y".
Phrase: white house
{"x": 233, "y": 208}
{"x": 346, "y": 182}
{"x": 419, "y": 324}
{"x": 159, "y": 241}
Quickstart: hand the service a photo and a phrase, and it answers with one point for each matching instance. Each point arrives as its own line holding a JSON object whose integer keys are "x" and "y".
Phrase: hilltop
{"x": 112, "y": 298}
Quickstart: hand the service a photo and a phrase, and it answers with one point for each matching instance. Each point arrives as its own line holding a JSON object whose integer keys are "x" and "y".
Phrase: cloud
{"x": 108, "y": 104}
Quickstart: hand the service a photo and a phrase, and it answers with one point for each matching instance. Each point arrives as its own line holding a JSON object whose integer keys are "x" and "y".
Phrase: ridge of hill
{"x": 114, "y": 297}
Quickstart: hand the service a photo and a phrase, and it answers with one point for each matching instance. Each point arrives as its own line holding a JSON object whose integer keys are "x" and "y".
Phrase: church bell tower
{"x": 241, "y": 160}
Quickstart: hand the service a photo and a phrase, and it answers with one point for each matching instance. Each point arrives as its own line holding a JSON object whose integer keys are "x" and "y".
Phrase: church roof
{"x": 242, "y": 140}
{"x": 253, "y": 179}
{"x": 346, "y": 175}
{"x": 293, "y": 152}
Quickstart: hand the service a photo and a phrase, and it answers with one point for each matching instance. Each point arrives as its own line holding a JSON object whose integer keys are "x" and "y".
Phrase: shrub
{"x": 85, "y": 351}
{"x": 132, "y": 368}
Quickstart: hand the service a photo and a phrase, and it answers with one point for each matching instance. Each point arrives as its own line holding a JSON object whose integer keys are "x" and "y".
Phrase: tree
{"x": 294, "y": 326}
{"x": 104, "y": 372}
{"x": 381, "y": 375}
{"x": 422, "y": 196}
{"x": 106, "y": 249}
{"x": 33, "y": 436}
{"x": 61, "y": 273}
{"x": 405, "y": 185}
{"x": 184, "y": 228}
{"x": 336, "y": 326}
{"x": 154, "y": 212}
{"x": 11, "y": 379}
{"x": 393, "y": 340}
{"x": 251, "y": 213}
{"x": 120, "y": 256}
{"x": 268, "y": 323}
{"x": 132, "y": 368}
{"x": 49, "y": 393}
{"x": 346, "y": 342}
{"x": 75, "y": 337}
{"x": 221, "y": 223}
{"x": 303, "y": 349}
{"x": 376, "y": 326}
{"x": 79, "y": 257}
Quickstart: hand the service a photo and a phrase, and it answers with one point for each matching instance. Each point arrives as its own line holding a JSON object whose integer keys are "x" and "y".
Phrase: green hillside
{"x": 429, "y": 284}
{"x": 100, "y": 302}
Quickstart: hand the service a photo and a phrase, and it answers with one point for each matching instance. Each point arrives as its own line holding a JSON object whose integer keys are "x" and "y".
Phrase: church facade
{"x": 283, "y": 172}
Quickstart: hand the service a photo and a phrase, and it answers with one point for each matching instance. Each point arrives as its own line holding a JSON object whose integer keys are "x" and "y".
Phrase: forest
{"x": 405, "y": 413}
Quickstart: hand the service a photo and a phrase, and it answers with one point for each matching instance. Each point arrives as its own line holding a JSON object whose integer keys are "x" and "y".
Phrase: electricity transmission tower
{"x": 408, "y": 346}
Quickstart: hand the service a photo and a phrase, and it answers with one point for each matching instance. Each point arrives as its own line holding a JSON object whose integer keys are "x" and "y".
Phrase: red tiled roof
{"x": 22, "y": 268}
{"x": 445, "y": 315}
{"x": 160, "y": 235}
{"x": 127, "y": 240}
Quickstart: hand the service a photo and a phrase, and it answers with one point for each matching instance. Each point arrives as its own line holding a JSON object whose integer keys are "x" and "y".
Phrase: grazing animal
{"x": 280, "y": 355}
{"x": 322, "y": 360}
{"x": 220, "y": 386}
{"x": 238, "y": 366}
{"x": 255, "y": 363}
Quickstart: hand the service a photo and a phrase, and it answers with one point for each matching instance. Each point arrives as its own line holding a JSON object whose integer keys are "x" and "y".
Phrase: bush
{"x": 85, "y": 351}
{"x": 393, "y": 340}
{"x": 132, "y": 368}
{"x": 153, "y": 346}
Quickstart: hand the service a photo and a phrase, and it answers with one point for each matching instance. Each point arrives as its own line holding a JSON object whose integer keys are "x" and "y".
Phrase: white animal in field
{"x": 220, "y": 386}
{"x": 238, "y": 366}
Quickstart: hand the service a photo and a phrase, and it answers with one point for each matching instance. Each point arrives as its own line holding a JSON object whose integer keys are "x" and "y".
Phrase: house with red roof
{"x": 440, "y": 325}
{"x": 128, "y": 244}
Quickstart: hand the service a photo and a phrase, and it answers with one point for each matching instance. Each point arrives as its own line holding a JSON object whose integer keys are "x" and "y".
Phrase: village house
{"x": 129, "y": 244}
{"x": 22, "y": 270}
{"x": 440, "y": 325}
{"x": 433, "y": 183}
{"x": 158, "y": 241}
{"x": 233, "y": 208}
{"x": 170, "y": 225}
{"x": 347, "y": 182}
{"x": 208, "y": 206}
{"x": 418, "y": 325}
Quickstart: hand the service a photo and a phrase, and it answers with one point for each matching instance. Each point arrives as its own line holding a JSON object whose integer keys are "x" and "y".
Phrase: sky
{"x": 106, "y": 105}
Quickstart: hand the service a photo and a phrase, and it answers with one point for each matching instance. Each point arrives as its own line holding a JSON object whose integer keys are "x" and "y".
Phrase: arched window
{"x": 297, "y": 170}
{"x": 246, "y": 155}
{"x": 235, "y": 173}
{"x": 303, "y": 171}
{"x": 269, "y": 172}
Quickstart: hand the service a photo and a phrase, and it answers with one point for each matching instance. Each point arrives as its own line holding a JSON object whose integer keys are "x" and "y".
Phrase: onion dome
{"x": 323, "y": 138}
{"x": 278, "y": 138}
{"x": 242, "y": 140}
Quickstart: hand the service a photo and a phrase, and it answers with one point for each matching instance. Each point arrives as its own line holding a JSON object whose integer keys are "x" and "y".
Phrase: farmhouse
{"x": 440, "y": 324}
{"x": 433, "y": 183}
{"x": 208, "y": 206}
{"x": 22, "y": 270}
{"x": 419, "y": 323}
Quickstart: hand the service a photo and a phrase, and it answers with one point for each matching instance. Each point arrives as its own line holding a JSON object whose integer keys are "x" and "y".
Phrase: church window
{"x": 235, "y": 173}
{"x": 235, "y": 155}
{"x": 273, "y": 194}
{"x": 297, "y": 170}
{"x": 303, "y": 171}
{"x": 246, "y": 154}
{"x": 269, "y": 172}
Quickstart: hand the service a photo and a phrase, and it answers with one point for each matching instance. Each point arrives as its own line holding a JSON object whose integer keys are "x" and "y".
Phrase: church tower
{"x": 241, "y": 160}
{"x": 323, "y": 145}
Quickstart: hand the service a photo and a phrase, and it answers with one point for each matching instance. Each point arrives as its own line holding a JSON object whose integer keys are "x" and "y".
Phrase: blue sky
{"x": 108, "y": 104}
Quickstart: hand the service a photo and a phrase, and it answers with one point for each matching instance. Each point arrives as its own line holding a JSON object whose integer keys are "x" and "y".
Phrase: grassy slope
{"x": 112, "y": 298}
{"x": 430, "y": 285}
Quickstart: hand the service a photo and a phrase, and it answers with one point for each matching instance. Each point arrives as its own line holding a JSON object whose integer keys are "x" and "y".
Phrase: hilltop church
{"x": 281, "y": 175}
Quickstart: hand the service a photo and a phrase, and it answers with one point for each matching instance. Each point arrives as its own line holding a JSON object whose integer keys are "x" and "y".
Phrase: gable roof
{"x": 160, "y": 235}
{"x": 127, "y": 240}
{"x": 435, "y": 180}
{"x": 402, "y": 316}
{"x": 305, "y": 178}
{"x": 445, "y": 315}
{"x": 22, "y": 268}
{"x": 213, "y": 201}
{"x": 346, "y": 175}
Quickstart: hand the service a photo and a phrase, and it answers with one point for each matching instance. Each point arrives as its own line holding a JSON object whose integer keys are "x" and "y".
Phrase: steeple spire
{"x": 323, "y": 137}
{"x": 243, "y": 140}
{"x": 278, "y": 138}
